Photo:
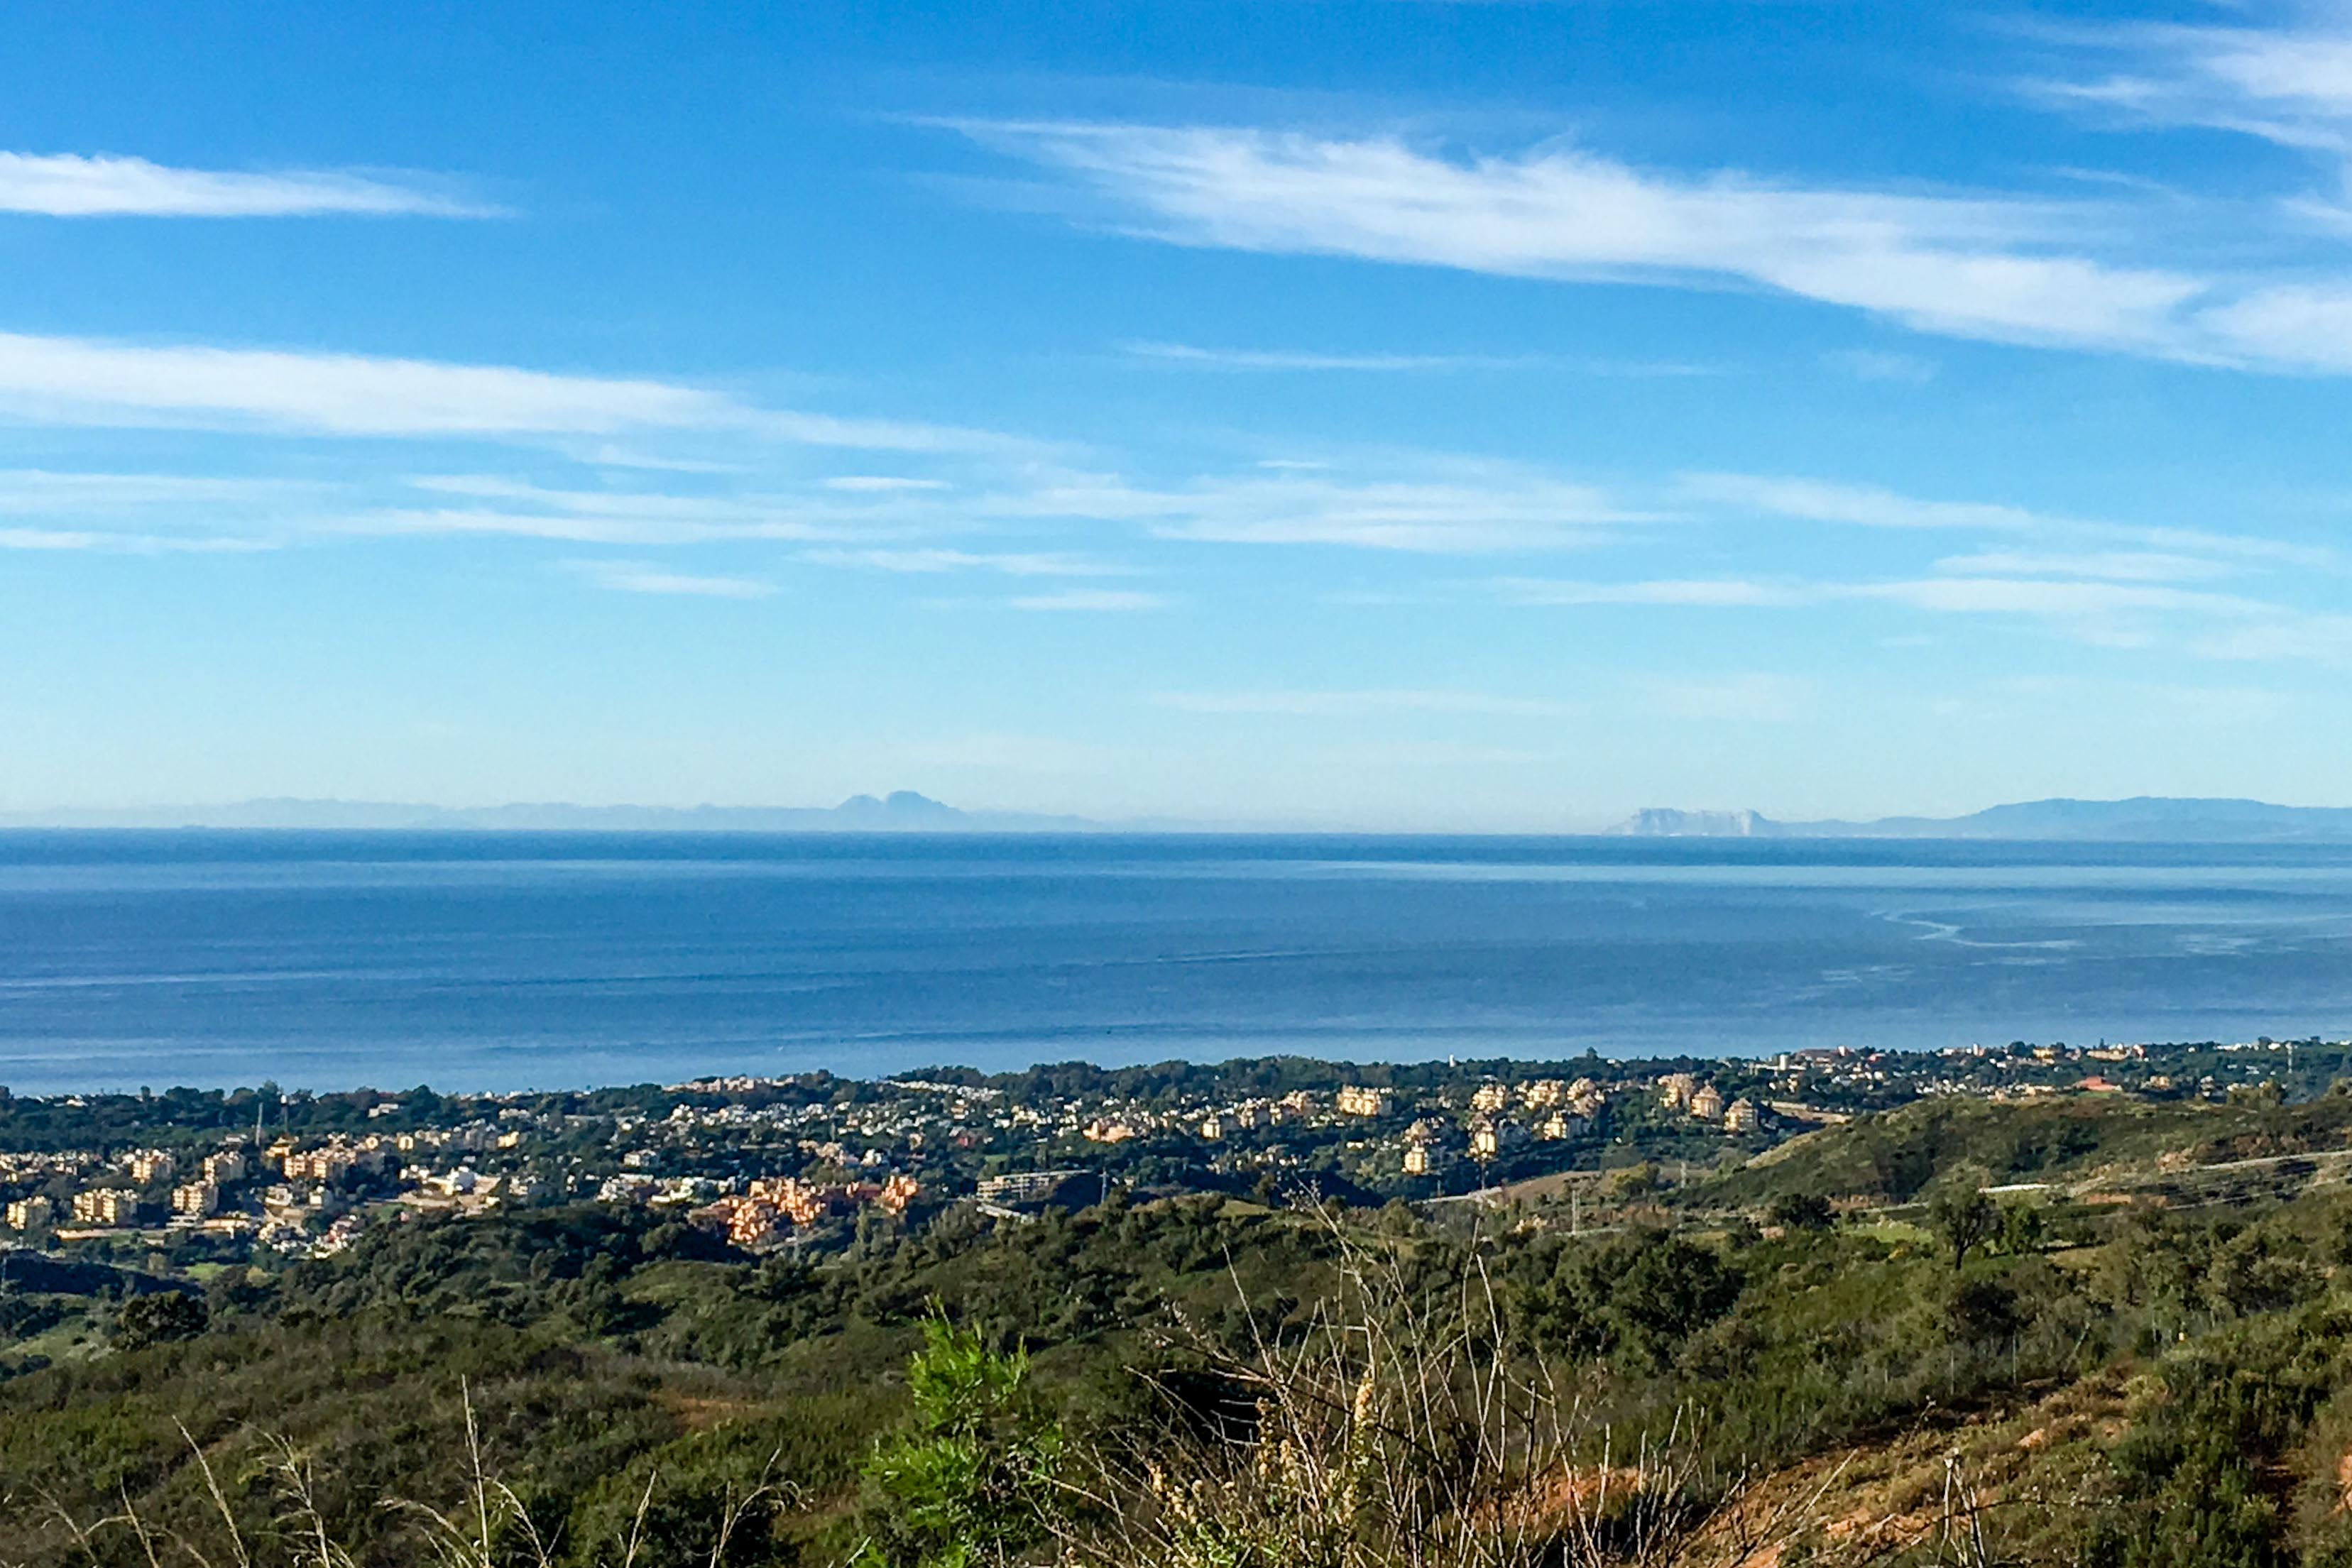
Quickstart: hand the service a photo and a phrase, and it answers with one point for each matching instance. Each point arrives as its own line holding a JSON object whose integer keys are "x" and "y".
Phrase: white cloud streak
{"x": 107, "y": 542}
{"x": 492, "y": 506}
{"x": 2050, "y": 597}
{"x": 1709, "y": 594}
{"x": 927, "y": 560}
{"x": 2124, "y": 566}
{"x": 881, "y": 484}
{"x": 1822, "y": 501}
{"x": 1982, "y": 267}
{"x": 1338, "y": 704}
{"x": 496, "y": 505}
{"x": 2100, "y": 613}
{"x": 2056, "y": 598}
{"x": 1191, "y": 357}
{"x": 85, "y": 382}
{"x": 2290, "y": 84}
{"x": 43, "y": 490}
{"x": 1466, "y": 513}
{"x": 70, "y": 185}
{"x": 2047, "y": 272}
{"x": 427, "y": 522}
{"x": 640, "y": 577}
{"x": 1868, "y": 505}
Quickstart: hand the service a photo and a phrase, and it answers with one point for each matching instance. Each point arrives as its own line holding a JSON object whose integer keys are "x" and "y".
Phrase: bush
{"x": 1981, "y": 1309}
{"x": 1801, "y": 1211}
{"x": 975, "y": 1477}
{"x": 1645, "y": 1292}
{"x": 158, "y": 1317}
{"x": 2022, "y": 1228}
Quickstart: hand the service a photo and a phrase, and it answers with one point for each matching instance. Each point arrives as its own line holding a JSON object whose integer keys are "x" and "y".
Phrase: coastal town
{"x": 184, "y": 1180}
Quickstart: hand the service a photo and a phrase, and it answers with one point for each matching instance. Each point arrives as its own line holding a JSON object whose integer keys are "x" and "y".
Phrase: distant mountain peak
{"x": 909, "y": 800}
{"x": 900, "y": 810}
{"x": 2144, "y": 819}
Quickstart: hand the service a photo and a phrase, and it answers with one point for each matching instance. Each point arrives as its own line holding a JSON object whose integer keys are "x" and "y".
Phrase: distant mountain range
{"x": 903, "y": 811}
{"x": 2147, "y": 819}
{"x": 2143, "y": 818}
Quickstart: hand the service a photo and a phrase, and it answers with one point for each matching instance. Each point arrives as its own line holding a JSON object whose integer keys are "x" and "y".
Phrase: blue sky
{"x": 1495, "y": 416}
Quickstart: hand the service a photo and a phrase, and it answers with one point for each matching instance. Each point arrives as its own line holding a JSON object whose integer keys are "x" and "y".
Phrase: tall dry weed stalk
{"x": 490, "y": 1528}
{"x": 1399, "y": 1428}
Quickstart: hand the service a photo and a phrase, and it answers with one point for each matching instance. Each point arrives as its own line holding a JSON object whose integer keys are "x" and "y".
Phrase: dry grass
{"x": 490, "y": 1528}
{"x": 1400, "y": 1429}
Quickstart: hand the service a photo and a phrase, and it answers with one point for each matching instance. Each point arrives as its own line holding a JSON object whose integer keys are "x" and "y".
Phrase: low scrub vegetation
{"x": 1728, "y": 1372}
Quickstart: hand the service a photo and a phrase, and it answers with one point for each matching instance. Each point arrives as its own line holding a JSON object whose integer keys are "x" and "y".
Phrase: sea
{"x": 506, "y": 961}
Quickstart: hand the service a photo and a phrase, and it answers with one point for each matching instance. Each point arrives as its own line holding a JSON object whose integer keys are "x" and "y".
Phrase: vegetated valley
{"x": 2082, "y": 1329}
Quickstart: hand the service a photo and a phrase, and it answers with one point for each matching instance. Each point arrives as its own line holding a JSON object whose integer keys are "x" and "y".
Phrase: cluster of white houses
{"x": 1552, "y": 1109}
{"x": 1704, "y": 1101}
{"x": 155, "y": 1180}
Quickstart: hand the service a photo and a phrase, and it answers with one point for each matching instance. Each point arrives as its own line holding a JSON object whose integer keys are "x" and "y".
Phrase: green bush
{"x": 158, "y": 1317}
{"x": 972, "y": 1481}
{"x": 1642, "y": 1292}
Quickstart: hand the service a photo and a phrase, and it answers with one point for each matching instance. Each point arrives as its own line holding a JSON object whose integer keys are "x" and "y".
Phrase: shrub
{"x": 972, "y": 1481}
{"x": 157, "y": 1317}
{"x": 1801, "y": 1211}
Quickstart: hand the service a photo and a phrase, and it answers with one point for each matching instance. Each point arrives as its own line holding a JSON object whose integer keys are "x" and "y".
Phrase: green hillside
{"x": 1891, "y": 1157}
{"x": 2098, "y": 1361}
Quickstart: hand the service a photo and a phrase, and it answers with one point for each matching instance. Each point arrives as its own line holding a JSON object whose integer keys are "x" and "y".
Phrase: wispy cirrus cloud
{"x": 881, "y": 484}
{"x": 1497, "y": 510}
{"x": 2100, "y": 611}
{"x": 1866, "y": 506}
{"x": 74, "y": 185}
{"x": 2052, "y": 271}
{"x": 459, "y": 522}
{"x": 126, "y": 513}
{"x": 1968, "y": 265}
{"x": 1870, "y": 505}
{"x": 1728, "y": 592}
{"x": 46, "y": 490}
{"x": 2128, "y": 615}
{"x": 1425, "y": 506}
{"x": 87, "y": 382}
{"x": 115, "y": 542}
{"x": 490, "y": 503}
{"x": 2128, "y": 566}
{"x": 643, "y": 576}
{"x": 935, "y": 559}
{"x": 2063, "y": 597}
{"x": 2289, "y": 82}
{"x": 461, "y": 504}
{"x": 1192, "y": 356}
{"x": 2104, "y": 611}
{"x": 1345, "y": 704}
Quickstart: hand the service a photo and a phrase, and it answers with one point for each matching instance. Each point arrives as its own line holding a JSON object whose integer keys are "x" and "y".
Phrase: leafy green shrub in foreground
{"x": 972, "y": 1481}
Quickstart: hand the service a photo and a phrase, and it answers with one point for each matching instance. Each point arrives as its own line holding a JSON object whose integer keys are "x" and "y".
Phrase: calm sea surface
{"x": 509, "y": 960}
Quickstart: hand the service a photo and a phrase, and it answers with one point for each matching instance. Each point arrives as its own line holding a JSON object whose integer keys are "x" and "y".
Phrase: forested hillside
{"x": 2084, "y": 1330}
